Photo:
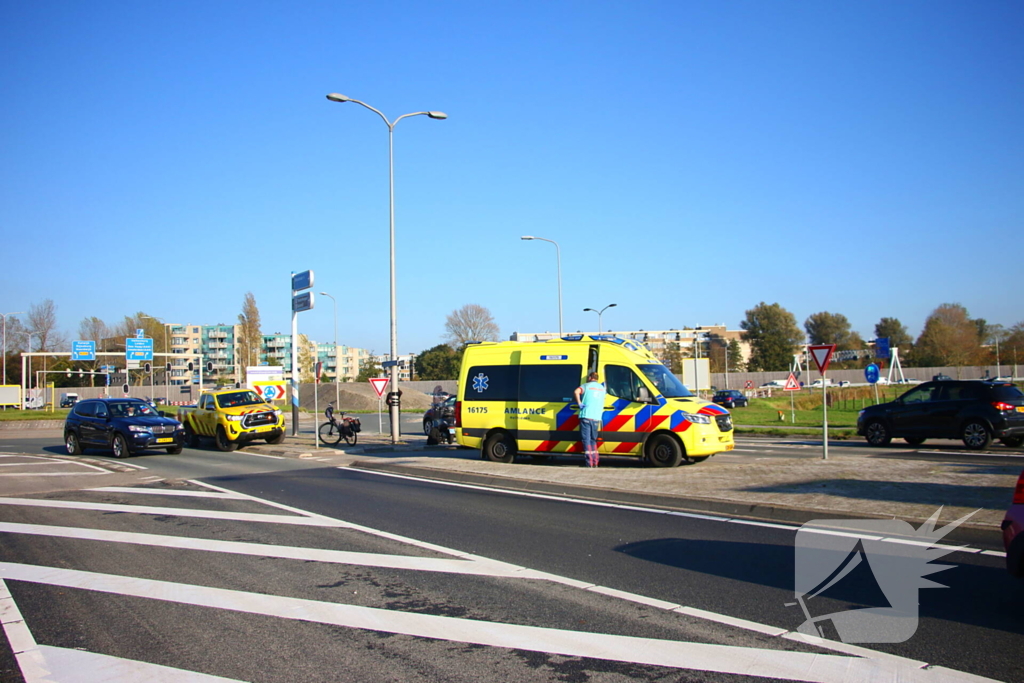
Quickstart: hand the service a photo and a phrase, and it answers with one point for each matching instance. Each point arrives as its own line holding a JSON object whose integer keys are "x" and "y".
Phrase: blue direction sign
{"x": 302, "y": 302}
{"x": 83, "y": 350}
{"x": 138, "y": 349}
{"x": 871, "y": 373}
{"x": 882, "y": 348}
{"x": 303, "y": 280}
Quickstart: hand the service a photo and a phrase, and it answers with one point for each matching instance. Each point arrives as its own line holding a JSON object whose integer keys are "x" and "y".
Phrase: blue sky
{"x": 691, "y": 158}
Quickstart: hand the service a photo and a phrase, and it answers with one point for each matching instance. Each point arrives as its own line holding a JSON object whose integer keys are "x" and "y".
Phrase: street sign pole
{"x": 822, "y": 354}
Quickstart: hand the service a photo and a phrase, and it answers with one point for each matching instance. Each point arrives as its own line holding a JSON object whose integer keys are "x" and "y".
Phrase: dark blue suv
{"x": 121, "y": 425}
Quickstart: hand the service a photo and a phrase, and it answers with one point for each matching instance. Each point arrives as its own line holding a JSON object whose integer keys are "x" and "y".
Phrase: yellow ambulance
{"x": 517, "y": 397}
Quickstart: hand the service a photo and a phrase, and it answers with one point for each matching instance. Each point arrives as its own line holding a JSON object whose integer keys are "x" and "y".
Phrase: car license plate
{"x": 170, "y": 440}
{"x": 730, "y": 447}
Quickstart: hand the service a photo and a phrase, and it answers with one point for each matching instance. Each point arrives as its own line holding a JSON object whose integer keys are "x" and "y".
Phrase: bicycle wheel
{"x": 350, "y": 435}
{"x": 328, "y": 434}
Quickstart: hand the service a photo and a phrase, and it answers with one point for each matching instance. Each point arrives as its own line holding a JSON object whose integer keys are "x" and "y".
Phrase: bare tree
{"x": 42, "y": 324}
{"x": 470, "y": 323}
{"x": 92, "y": 328}
{"x": 250, "y": 337}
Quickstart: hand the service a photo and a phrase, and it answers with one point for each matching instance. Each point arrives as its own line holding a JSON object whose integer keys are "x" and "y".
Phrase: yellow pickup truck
{"x": 233, "y": 417}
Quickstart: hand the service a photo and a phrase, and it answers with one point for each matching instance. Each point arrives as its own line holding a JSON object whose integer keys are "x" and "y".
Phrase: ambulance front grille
{"x": 724, "y": 423}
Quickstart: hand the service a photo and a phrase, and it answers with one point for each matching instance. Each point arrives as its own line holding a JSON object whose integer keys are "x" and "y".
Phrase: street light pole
{"x": 558, "y": 259}
{"x": 337, "y": 362}
{"x": 393, "y": 406}
{"x": 4, "y": 316}
{"x": 167, "y": 375}
{"x": 599, "y": 313}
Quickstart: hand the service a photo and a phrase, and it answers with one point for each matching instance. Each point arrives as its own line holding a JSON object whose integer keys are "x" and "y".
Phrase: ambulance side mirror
{"x": 643, "y": 395}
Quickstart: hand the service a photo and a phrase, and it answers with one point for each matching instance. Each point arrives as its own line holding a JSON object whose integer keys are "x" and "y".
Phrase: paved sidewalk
{"x": 792, "y": 489}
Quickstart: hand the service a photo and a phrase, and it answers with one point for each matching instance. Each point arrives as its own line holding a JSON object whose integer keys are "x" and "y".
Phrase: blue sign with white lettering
{"x": 83, "y": 350}
{"x": 138, "y": 349}
{"x": 882, "y": 348}
{"x": 554, "y": 357}
{"x": 303, "y": 280}
{"x": 871, "y": 373}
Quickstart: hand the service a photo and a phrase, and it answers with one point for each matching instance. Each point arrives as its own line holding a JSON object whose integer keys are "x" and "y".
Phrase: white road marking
{"x": 676, "y": 513}
{"x": 32, "y": 464}
{"x": 170, "y": 492}
{"x": 800, "y": 666}
{"x": 481, "y": 567}
{"x": 46, "y": 664}
{"x": 178, "y": 512}
{"x": 264, "y": 455}
{"x": 76, "y": 463}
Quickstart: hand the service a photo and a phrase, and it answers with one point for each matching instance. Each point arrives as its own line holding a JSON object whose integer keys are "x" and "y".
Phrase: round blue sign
{"x": 871, "y": 373}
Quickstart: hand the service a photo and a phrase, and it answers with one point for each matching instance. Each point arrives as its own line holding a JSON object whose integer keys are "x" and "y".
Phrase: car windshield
{"x": 664, "y": 381}
{"x": 238, "y": 398}
{"x": 131, "y": 409}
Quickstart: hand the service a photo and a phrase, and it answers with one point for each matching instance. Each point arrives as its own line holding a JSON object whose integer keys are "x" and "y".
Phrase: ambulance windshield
{"x": 664, "y": 381}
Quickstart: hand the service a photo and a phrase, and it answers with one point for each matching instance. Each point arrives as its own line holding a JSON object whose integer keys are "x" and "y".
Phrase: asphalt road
{"x": 243, "y": 579}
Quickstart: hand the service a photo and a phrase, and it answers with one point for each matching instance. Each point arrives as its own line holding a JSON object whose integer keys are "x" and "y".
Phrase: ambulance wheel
{"x": 499, "y": 447}
{"x": 664, "y": 451}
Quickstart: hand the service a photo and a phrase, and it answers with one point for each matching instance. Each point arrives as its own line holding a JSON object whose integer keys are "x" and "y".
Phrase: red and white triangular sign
{"x": 378, "y": 384}
{"x": 791, "y": 383}
{"x": 822, "y": 355}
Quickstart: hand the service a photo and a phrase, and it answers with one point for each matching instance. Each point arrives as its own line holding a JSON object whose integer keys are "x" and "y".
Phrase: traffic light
{"x": 191, "y": 366}
{"x": 148, "y": 368}
{"x": 209, "y": 366}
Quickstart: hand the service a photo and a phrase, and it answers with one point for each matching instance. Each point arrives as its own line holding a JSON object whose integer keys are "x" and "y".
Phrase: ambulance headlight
{"x": 698, "y": 419}
{"x": 235, "y": 418}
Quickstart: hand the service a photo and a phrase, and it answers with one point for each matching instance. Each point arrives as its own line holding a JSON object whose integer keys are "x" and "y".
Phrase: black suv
{"x": 973, "y": 411}
{"x": 121, "y": 425}
{"x": 730, "y": 398}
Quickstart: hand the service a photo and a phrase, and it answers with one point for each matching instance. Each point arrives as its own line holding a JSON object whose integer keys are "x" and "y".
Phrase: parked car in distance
{"x": 730, "y": 398}
{"x": 819, "y": 383}
{"x": 121, "y": 425}
{"x": 441, "y": 410}
{"x": 68, "y": 399}
{"x": 774, "y": 384}
{"x": 1013, "y": 531}
{"x": 975, "y": 412}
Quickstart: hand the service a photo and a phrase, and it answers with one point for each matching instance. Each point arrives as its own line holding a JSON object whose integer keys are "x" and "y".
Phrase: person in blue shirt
{"x": 590, "y": 398}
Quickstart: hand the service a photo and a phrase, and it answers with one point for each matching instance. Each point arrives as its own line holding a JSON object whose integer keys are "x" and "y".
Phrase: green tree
{"x": 673, "y": 358}
{"x": 307, "y": 357}
{"x": 250, "y": 337}
{"x": 949, "y": 337}
{"x": 736, "y": 362}
{"x": 1011, "y": 348}
{"x": 773, "y": 336}
{"x": 438, "y": 362}
{"x": 369, "y": 369}
{"x": 896, "y": 331}
{"x": 828, "y": 328}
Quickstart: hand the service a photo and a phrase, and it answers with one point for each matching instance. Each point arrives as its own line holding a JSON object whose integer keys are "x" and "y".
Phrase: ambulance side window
{"x": 549, "y": 383}
{"x": 491, "y": 383}
{"x": 622, "y": 382}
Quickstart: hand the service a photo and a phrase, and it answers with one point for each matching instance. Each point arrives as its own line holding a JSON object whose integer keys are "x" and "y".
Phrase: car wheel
{"x": 174, "y": 450}
{"x": 72, "y": 443}
{"x": 191, "y": 440}
{"x": 1012, "y": 441}
{"x": 663, "y": 451}
{"x": 499, "y": 447}
{"x": 976, "y": 436}
{"x": 914, "y": 440}
{"x": 222, "y": 441}
{"x": 279, "y": 438}
{"x": 877, "y": 434}
{"x": 427, "y": 424}
{"x": 120, "y": 446}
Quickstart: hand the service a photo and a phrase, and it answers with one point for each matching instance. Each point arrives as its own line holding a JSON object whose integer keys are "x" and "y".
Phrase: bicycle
{"x": 332, "y": 432}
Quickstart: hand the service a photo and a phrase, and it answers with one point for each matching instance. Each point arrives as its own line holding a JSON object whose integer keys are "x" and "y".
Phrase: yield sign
{"x": 822, "y": 354}
{"x": 791, "y": 383}
{"x": 378, "y": 384}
